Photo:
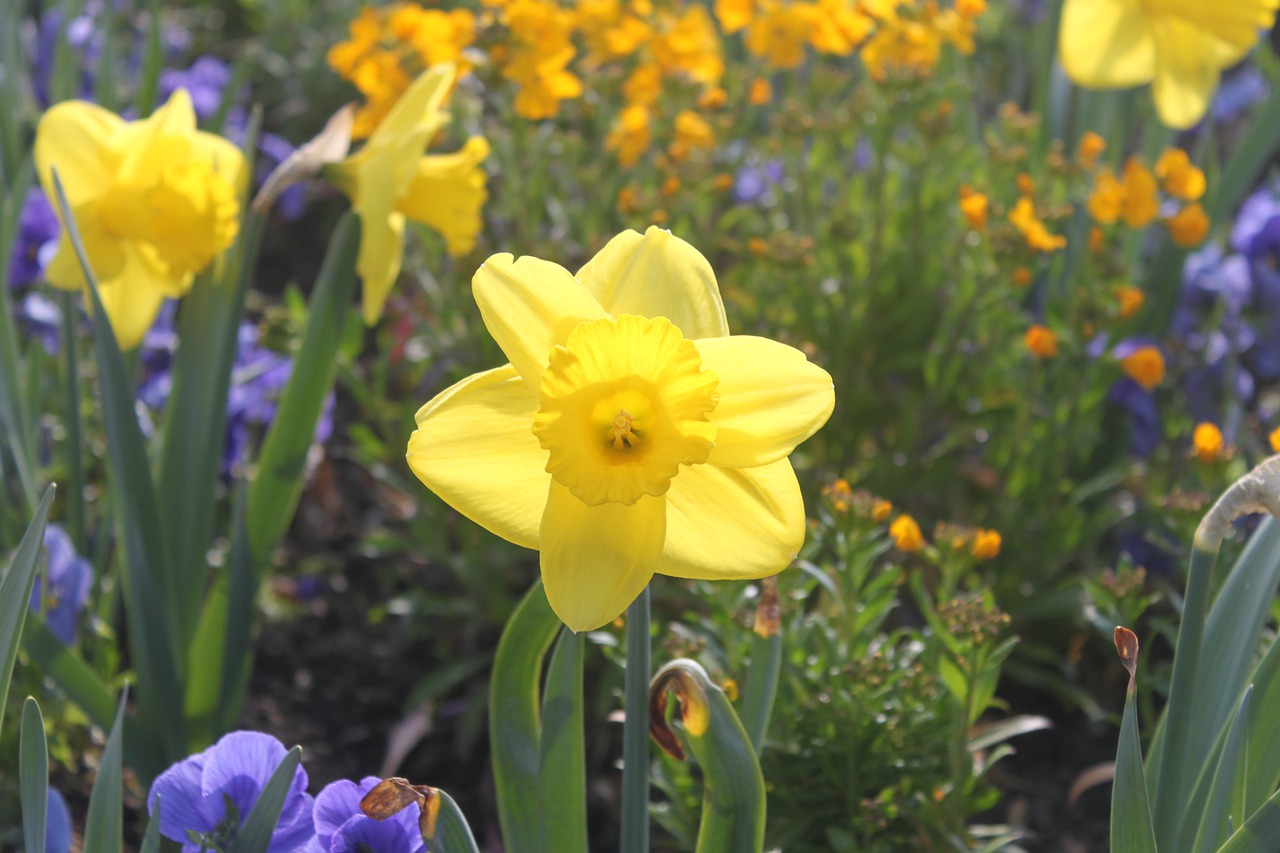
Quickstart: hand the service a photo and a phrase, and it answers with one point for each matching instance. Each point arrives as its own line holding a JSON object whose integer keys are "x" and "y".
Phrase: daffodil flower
{"x": 1178, "y": 46}
{"x": 155, "y": 201}
{"x": 630, "y": 434}
{"x": 389, "y": 180}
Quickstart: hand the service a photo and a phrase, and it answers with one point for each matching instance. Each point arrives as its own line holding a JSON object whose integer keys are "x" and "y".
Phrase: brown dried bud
{"x": 1127, "y": 646}
{"x": 768, "y": 612}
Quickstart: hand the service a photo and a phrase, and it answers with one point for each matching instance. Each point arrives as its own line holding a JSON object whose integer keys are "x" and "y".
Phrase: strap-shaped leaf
{"x": 563, "y": 755}
{"x": 1225, "y": 806}
{"x": 105, "y": 824}
{"x": 515, "y": 726}
{"x": 1131, "y": 828}
{"x": 151, "y": 840}
{"x": 15, "y": 593}
{"x": 452, "y": 835}
{"x": 33, "y": 771}
{"x": 255, "y": 833}
{"x": 152, "y": 596}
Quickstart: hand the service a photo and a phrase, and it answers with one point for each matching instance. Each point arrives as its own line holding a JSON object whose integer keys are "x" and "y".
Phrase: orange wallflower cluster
{"x": 388, "y": 47}
{"x": 1134, "y": 196}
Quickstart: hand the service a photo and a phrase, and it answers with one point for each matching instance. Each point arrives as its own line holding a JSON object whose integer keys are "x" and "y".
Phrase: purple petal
{"x": 183, "y": 806}
{"x": 335, "y": 805}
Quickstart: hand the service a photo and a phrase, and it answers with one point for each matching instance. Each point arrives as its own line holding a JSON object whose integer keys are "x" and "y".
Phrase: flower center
{"x": 624, "y": 404}
{"x": 187, "y": 212}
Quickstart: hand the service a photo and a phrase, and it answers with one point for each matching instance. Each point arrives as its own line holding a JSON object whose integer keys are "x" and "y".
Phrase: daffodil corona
{"x": 1180, "y": 47}
{"x": 630, "y": 433}
{"x": 155, "y": 201}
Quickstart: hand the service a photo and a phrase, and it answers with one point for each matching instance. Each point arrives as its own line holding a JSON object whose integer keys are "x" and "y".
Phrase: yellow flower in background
{"x": 1180, "y": 47}
{"x": 155, "y": 202}
{"x": 760, "y": 92}
{"x": 1129, "y": 301}
{"x": 974, "y": 206}
{"x": 1106, "y": 202}
{"x": 1141, "y": 194}
{"x": 542, "y": 31}
{"x": 1179, "y": 176}
{"x": 1207, "y": 441}
{"x": 735, "y": 15}
{"x": 1274, "y": 440}
{"x": 630, "y": 434}
{"x": 1189, "y": 226}
{"x": 1041, "y": 341}
{"x": 693, "y": 132}
{"x": 1145, "y": 365}
{"x": 688, "y": 44}
{"x": 389, "y": 180}
{"x": 1091, "y": 147}
{"x": 631, "y": 136}
{"x": 986, "y": 544}
{"x": 906, "y": 534}
{"x": 1023, "y": 217}
{"x": 837, "y": 26}
{"x": 779, "y": 34}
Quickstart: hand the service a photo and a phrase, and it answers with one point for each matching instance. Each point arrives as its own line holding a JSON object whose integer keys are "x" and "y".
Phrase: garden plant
{"x": 645, "y": 425}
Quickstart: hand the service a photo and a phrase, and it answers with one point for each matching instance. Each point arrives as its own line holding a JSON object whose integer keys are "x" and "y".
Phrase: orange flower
{"x": 631, "y": 135}
{"x": 1207, "y": 440}
{"x": 1090, "y": 149}
{"x": 1129, "y": 301}
{"x": 906, "y": 534}
{"x": 1041, "y": 341}
{"x": 1141, "y": 194}
{"x": 974, "y": 206}
{"x": 1038, "y": 237}
{"x": 1189, "y": 226}
{"x": 986, "y": 544}
{"x": 1180, "y": 177}
{"x": 1145, "y": 365}
{"x": 760, "y": 93}
{"x": 1022, "y": 276}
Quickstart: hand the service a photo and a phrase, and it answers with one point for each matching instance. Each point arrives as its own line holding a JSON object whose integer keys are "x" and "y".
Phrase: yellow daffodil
{"x": 1178, "y": 46}
{"x": 389, "y": 180}
{"x": 155, "y": 201}
{"x": 630, "y": 434}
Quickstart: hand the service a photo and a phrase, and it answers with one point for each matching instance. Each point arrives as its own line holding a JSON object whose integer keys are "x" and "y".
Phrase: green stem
{"x": 635, "y": 731}
{"x": 75, "y": 446}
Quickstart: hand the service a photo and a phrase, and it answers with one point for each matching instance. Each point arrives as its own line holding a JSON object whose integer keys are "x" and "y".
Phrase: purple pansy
{"x": 756, "y": 183}
{"x": 194, "y": 794}
{"x": 57, "y": 824}
{"x": 341, "y": 827}
{"x": 1238, "y": 91}
{"x": 70, "y": 579}
{"x": 1144, "y": 416}
{"x": 36, "y": 241}
{"x": 205, "y": 81}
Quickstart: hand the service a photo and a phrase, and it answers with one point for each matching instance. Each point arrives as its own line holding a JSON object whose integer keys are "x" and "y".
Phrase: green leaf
{"x": 105, "y": 824}
{"x": 152, "y": 597}
{"x": 151, "y": 840}
{"x": 563, "y": 755}
{"x": 515, "y": 725}
{"x": 275, "y": 491}
{"x": 33, "y": 763}
{"x": 1225, "y": 806}
{"x": 255, "y": 833}
{"x": 733, "y": 795}
{"x": 15, "y": 422}
{"x": 761, "y": 687}
{"x": 1131, "y": 827}
{"x": 1260, "y": 833}
{"x": 152, "y": 63}
{"x": 453, "y": 835}
{"x": 15, "y": 593}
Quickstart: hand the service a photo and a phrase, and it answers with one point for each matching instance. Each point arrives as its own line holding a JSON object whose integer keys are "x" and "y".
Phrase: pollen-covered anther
{"x": 623, "y": 433}
{"x": 632, "y": 391}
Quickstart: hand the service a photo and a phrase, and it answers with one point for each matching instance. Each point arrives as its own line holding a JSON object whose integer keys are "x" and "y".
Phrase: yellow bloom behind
{"x": 155, "y": 201}
{"x": 630, "y": 434}
{"x": 389, "y": 179}
{"x": 1180, "y": 47}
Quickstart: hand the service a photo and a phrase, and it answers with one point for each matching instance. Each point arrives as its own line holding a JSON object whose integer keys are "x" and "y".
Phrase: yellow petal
{"x": 771, "y": 399}
{"x": 474, "y": 448}
{"x": 529, "y": 306}
{"x": 106, "y": 255}
{"x": 1106, "y": 44}
{"x": 726, "y": 523}
{"x": 133, "y": 299}
{"x": 420, "y": 103}
{"x": 657, "y": 275}
{"x": 381, "y": 239}
{"x": 226, "y": 157}
{"x": 71, "y": 137}
{"x": 1187, "y": 72}
{"x": 448, "y": 194}
{"x": 137, "y": 141}
{"x": 597, "y": 559}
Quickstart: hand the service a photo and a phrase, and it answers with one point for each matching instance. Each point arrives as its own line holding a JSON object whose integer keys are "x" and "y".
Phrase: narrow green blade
{"x": 15, "y": 593}
{"x": 515, "y": 727}
{"x": 563, "y": 754}
{"x": 33, "y": 763}
{"x": 1131, "y": 827}
{"x": 453, "y": 835}
{"x": 105, "y": 824}
{"x": 1225, "y": 806}
{"x": 255, "y": 832}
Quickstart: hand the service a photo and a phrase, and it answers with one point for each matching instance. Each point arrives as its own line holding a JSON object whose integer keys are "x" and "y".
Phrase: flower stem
{"x": 635, "y": 731}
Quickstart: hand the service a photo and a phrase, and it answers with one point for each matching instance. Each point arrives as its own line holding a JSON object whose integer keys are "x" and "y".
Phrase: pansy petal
{"x": 726, "y": 523}
{"x": 1106, "y": 44}
{"x": 182, "y": 804}
{"x": 251, "y": 754}
{"x": 597, "y": 559}
{"x": 1186, "y": 73}
{"x": 335, "y": 805}
{"x": 657, "y": 275}
{"x": 529, "y": 306}
{"x": 771, "y": 399}
{"x": 70, "y": 139}
{"x": 485, "y": 420}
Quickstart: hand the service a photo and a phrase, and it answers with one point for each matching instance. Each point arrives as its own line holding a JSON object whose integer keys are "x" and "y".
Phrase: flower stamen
{"x": 623, "y": 435}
